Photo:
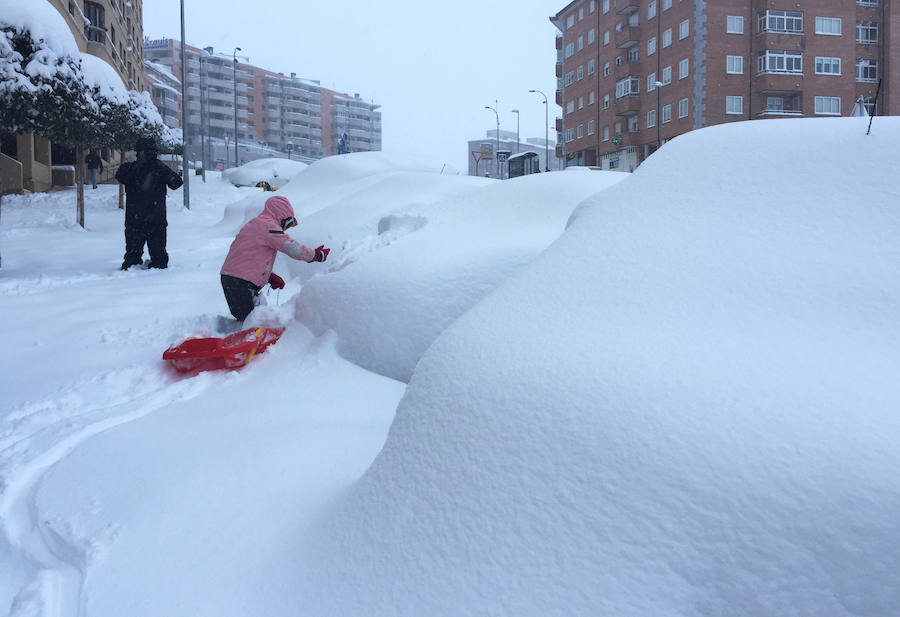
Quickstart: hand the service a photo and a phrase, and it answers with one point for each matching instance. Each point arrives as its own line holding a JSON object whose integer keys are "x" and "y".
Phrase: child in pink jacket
{"x": 248, "y": 266}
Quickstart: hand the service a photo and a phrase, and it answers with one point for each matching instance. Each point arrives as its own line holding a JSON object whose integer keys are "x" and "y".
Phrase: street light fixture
{"x": 497, "y": 152}
{"x": 184, "y": 114}
{"x": 516, "y": 111}
{"x": 234, "y": 74}
{"x": 546, "y": 129}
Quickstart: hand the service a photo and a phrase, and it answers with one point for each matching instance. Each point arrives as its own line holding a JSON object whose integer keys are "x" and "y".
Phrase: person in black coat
{"x": 94, "y": 165}
{"x": 145, "y": 183}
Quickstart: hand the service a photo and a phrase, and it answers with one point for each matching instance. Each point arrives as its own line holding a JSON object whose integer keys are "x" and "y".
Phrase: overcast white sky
{"x": 431, "y": 66}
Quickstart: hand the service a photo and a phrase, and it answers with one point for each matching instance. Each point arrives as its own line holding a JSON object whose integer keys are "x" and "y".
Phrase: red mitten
{"x": 321, "y": 253}
{"x": 276, "y": 281}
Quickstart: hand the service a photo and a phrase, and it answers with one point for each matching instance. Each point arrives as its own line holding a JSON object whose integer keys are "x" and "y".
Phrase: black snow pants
{"x": 240, "y": 295}
{"x": 154, "y": 236}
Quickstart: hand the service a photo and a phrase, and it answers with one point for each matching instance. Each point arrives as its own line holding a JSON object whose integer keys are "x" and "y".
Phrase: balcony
{"x": 628, "y": 7}
{"x": 626, "y": 36}
{"x": 628, "y": 105}
{"x": 629, "y": 68}
{"x": 559, "y": 125}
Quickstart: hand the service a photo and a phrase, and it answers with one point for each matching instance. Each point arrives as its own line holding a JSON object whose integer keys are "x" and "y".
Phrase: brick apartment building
{"x": 278, "y": 112}
{"x": 109, "y": 29}
{"x": 635, "y": 73}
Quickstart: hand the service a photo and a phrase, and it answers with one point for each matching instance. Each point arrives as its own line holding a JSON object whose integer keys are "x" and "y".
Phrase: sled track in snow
{"x": 58, "y": 564}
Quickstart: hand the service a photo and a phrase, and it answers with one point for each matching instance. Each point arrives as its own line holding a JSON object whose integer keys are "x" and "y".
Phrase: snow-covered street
{"x": 671, "y": 392}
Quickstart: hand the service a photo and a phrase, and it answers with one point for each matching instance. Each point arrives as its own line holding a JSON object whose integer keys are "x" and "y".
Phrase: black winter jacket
{"x": 145, "y": 183}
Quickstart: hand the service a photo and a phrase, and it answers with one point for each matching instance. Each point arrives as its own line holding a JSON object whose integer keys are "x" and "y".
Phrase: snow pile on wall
{"x": 686, "y": 406}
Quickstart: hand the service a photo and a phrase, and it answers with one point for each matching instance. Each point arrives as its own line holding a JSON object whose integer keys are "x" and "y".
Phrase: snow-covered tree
{"x": 48, "y": 93}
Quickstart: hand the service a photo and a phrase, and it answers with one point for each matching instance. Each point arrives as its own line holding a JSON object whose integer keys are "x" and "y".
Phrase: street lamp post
{"x": 497, "y": 151}
{"x": 516, "y": 111}
{"x": 659, "y": 86}
{"x": 184, "y": 124}
{"x": 546, "y": 129}
{"x": 204, "y": 138}
{"x": 234, "y": 74}
{"x": 290, "y": 147}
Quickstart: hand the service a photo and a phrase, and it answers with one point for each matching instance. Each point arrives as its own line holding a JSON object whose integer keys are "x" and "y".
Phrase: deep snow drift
{"x": 687, "y": 406}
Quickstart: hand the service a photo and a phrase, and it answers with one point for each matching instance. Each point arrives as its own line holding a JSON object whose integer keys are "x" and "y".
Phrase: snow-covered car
{"x": 274, "y": 171}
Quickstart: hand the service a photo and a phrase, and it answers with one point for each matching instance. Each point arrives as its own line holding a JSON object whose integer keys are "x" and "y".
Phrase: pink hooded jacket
{"x": 253, "y": 251}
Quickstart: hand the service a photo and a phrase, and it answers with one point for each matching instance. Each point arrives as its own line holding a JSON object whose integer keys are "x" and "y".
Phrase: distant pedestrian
{"x": 145, "y": 183}
{"x": 94, "y": 166}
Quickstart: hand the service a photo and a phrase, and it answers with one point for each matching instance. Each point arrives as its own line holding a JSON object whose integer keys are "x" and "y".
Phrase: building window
{"x": 570, "y": 78}
{"x": 605, "y": 101}
{"x": 771, "y": 61}
{"x": 666, "y": 113}
{"x": 605, "y": 133}
{"x": 632, "y": 125}
{"x": 580, "y": 13}
{"x": 580, "y": 131}
{"x": 95, "y": 31}
{"x": 651, "y": 82}
{"x": 866, "y": 32}
{"x": 683, "y": 108}
{"x": 684, "y": 68}
{"x": 570, "y": 135}
{"x": 734, "y": 24}
{"x": 651, "y": 46}
{"x": 590, "y": 127}
{"x": 828, "y": 105}
{"x": 667, "y": 37}
{"x": 570, "y": 107}
{"x": 828, "y": 66}
{"x": 667, "y": 4}
{"x": 630, "y": 86}
{"x": 591, "y": 97}
{"x": 606, "y": 6}
{"x": 667, "y": 76}
{"x": 684, "y": 29}
{"x": 592, "y": 36}
{"x": 651, "y": 118}
{"x": 784, "y": 22}
{"x": 606, "y": 69}
{"x": 580, "y": 43}
{"x": 866, "y": 70}
{"x": 590, "y": 67}
{"x": 651, "y": 9}
{"x": 734, "y": 65}
{"x": 828, "y": 25}
{"x": 866, "y": 2}
{"x": 592, "y": 7}
{"x": 775, "y": 103}
{"x": 570, "y": 21}
{"x": 580, "y": 72}
{"x": 606, "y": 38}
{"x": 570, "y": 50}
{"x": 734, "y": 105}
{"x": 580, "y": 102}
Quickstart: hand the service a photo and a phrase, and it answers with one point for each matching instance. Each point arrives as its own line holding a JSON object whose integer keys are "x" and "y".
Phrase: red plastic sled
{"x": 210, "y": 354}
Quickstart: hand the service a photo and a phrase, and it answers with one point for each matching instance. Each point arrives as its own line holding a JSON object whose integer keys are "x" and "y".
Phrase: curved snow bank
{"x": 277, "y": 172}
{"x": 687, "y": 407}
{"x": 414, "y": 251}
